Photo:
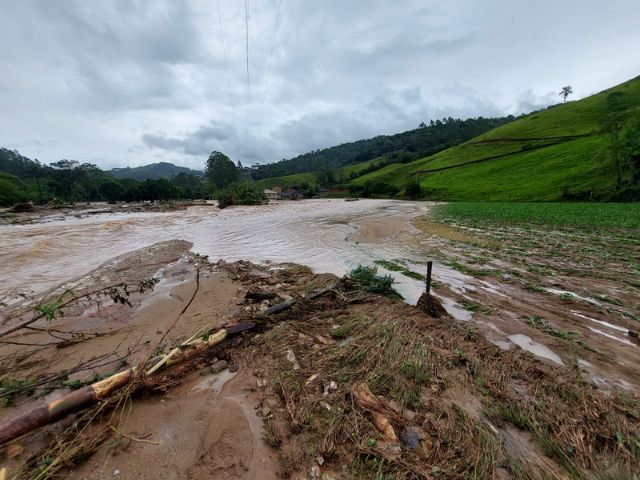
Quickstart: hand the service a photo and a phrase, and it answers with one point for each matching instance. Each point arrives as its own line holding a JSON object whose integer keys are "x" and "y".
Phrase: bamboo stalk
{"x": 57, "y": 409}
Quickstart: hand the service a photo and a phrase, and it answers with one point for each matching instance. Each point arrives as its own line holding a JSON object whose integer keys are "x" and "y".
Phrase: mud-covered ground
{"x": 56, "y": 212}
{"x": 535, "y": 377}
{"x": 570, "y": 295}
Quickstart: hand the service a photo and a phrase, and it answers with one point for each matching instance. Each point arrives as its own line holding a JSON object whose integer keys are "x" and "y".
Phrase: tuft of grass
{"x": 369, "y": 280}
{"x": 397, "y": 267}
{"x": 474, "y": 272}
{"x": 270, "y": 434}
{"x": 541, "y": 324}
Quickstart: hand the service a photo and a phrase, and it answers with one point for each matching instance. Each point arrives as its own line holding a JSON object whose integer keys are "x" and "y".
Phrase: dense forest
{"x": 23, "y": 179}
{"x": 424, "y": 141}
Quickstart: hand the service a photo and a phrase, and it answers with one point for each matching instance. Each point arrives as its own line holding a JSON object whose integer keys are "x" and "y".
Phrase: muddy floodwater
{"x": 518, "y": 287}
{"x": 321, "y": 234}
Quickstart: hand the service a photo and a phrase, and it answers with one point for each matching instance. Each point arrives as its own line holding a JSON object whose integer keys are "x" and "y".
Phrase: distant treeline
{"x": 424, "y": 141}
{"x": 23, "y": 179}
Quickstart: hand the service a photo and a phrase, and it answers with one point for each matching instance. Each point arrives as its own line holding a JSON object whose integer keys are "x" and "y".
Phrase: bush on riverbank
{"x": 241, "y": 194}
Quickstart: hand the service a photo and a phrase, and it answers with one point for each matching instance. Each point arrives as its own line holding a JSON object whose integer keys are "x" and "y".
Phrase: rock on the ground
{"x": 218, "y": 366}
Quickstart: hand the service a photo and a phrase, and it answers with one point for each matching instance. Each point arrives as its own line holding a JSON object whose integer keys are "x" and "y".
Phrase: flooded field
{"x": 319, "y": 234}
{"x": 544, "y": 291}
{"x": 534, "y": 311}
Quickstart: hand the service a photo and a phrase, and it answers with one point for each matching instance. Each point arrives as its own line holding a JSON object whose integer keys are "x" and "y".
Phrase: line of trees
{"x": 233, "y": 183}
{"x": 23, "y": 179}
{"x": 426, "y": 140}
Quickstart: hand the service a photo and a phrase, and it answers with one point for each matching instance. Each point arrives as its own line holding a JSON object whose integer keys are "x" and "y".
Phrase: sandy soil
{"x": 205, "y": 428}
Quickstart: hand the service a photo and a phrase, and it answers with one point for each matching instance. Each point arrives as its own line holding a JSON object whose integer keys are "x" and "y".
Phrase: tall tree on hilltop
{"x": 565, "y": 92}
{"x": 220, "y": 170}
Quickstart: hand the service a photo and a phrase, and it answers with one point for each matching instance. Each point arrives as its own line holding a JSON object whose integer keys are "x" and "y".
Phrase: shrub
{"x": 241, "y": 194}
{"x": 413, "y": 190}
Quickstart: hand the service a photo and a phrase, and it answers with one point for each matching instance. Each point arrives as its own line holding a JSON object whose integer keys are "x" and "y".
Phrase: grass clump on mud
{"x": 398, "y": 267}
{"x": 368, "y": 279}
{"x": 380, "y": 390}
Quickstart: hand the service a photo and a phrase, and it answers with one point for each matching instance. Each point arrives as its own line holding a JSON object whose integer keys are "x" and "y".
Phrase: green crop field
{"x": 623, "y": 215}
{"x": 554, "y": 154}
{"x": 287, "y": 181}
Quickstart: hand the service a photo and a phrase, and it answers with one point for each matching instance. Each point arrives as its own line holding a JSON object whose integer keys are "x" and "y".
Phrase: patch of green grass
{"x": 369, "y": 280}
{"x": 10, "y": 388}
{"x": 287, "y": 181}
{"x": 542, "y": 325}
{"x": 511, "y": 413}
{"x": 472, "y": 307}
{"x": 397, "y": 267}
{"x": 555, "y": 214}
{"x": 609, "y": 299}
{"x": 474, "y": 272}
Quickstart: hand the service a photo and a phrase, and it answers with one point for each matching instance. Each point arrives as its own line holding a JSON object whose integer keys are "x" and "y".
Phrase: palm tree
{"x": 565, "y": 92}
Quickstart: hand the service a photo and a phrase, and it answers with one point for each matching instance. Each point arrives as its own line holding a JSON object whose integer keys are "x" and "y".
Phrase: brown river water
{"x": 318, "y": 233}
{"x": 331, "y": 236}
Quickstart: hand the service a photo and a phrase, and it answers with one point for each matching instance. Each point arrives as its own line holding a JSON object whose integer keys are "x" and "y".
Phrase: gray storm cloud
{"x": 123, "y": 83}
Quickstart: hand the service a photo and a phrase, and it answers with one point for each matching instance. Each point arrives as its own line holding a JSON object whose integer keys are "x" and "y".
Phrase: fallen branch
{"x": 133, "y": 439}
{"x": 281, "y": 307}
{"x": 90, "y": 394}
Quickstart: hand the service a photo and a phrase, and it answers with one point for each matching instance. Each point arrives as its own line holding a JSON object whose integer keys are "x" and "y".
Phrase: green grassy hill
{"x": 294, "y": 180}
{"x": 558, "y": 153}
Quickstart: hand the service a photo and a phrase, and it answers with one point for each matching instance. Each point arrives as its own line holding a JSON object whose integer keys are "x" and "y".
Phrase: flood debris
{"x": 431, "y": 306}
{"x": 358, "y": 389}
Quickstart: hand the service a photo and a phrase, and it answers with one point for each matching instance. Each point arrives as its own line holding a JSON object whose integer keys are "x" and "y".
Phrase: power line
{"x": 227, "y": 76}
{"x": 248, "y": 126}
{"x": 268, "y": 69}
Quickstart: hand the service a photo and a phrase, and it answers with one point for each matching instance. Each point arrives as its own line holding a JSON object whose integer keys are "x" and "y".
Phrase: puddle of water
{"x": 503, "y": 345}
{"x": 525, "y": 342}
{"x": 455, "y": 310}
{"x": 213, "y": 383}
{"x": 489, "y": 287}
{"x": 601, "y": 322}
{"x": 557, "y": 291}
{"x": 608, "y": 335}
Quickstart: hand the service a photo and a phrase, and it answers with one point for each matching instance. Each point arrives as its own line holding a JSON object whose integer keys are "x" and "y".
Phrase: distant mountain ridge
{"x": 152, "y": 171}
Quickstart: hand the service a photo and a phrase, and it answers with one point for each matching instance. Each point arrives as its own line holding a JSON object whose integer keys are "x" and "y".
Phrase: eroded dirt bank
{"x": 349, "y": 384}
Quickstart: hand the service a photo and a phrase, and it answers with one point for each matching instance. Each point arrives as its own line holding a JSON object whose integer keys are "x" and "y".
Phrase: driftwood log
{"x": 86, "y": 396}
{"x": 281, "y": 307}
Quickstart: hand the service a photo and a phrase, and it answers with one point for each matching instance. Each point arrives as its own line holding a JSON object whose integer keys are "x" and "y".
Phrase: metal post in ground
{"x": 428, "y": 280}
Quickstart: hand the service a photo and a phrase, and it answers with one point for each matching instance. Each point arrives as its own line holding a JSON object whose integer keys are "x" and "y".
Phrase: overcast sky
{"x": 125, "y": 82}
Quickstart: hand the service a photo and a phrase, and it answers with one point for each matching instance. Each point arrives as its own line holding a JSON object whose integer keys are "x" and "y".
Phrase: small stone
{"x": 314, "y": 473}
{"x": 266, "y": 411}
{"x": 329, "y": 387}
{"x": 233, "y": 368}
{"x": 116, "y": 472}
{"x": 320, "y": 460}
{"x": 411, "y": 436}
{"x": 292, "y": 358}
{"x": 260, "y": 382}
{"x": 218, "y": 366}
